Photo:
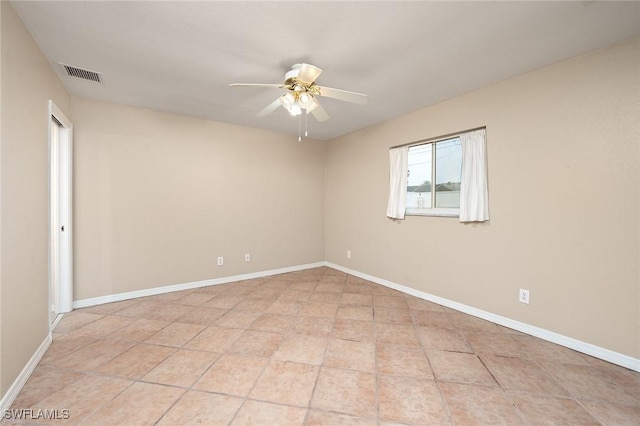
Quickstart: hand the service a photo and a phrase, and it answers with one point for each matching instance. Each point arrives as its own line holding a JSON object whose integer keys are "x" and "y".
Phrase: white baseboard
{"x": 18, "y": 383}
{"x": 550, "y": 336}
{"x": 83, "y": 303}
{"x": 16, "y": 387}
{"x": 55, "y": 322}
{"x": 580, "y": 346}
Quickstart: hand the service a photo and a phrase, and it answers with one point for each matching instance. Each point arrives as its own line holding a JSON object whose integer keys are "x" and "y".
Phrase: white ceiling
{"x": 180, "y": 56}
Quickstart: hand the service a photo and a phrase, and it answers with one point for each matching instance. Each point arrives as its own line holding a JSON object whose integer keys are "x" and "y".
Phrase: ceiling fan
{"x": 302, "y": 91}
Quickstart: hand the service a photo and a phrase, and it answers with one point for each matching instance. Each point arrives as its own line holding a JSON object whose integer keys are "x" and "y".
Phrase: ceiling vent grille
{"x": 80, "y": 73}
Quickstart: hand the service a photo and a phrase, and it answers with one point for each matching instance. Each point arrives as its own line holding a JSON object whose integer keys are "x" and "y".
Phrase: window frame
{"x": 434, "y": 211}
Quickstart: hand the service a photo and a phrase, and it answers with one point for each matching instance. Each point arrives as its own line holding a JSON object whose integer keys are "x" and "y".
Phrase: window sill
{"x": 433, "y": 212}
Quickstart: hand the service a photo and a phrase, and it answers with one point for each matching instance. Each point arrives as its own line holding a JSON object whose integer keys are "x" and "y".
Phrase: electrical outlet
{"x": 348, "y": 254}
{"x": 247, "y": 257}
{"x": 220, "y": 261}
{"x": 523, "y": 296}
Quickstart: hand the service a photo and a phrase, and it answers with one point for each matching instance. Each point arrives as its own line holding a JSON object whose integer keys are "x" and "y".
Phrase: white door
{"x": 61, "y": 191}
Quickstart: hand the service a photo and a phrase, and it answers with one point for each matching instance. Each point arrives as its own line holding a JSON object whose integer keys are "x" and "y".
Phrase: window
{"x": 433, "y": 178}
{"x": 444, "y": 176}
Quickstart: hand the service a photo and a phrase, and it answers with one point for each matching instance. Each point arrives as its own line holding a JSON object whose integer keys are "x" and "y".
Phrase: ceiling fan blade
{"x": 344, "y": 95}
{"x": 318, "y": 111}
{"x": 308, "y": 73}
{"x": 257, "y": 84}
{"x": 269, "y": 108}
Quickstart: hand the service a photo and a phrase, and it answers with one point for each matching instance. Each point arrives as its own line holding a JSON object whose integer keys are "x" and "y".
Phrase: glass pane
{"x": 448, "y": 171}
{"x": 419, "y": 181}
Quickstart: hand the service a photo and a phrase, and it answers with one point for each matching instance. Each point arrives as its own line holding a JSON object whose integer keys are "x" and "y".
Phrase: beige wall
{"x": 28, "y": 82}
{"x": 564, "y": 188}
{"x": 159, "y": 196}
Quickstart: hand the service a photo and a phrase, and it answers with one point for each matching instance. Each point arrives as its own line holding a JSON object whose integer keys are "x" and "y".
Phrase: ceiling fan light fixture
{"x": 288, "y": 101}
{"x": 305, "y": 100}
{"x": 295, "y": 109}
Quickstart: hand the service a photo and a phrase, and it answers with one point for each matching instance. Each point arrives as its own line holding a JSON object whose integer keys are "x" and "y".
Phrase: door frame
{"x": 60, "y": 213}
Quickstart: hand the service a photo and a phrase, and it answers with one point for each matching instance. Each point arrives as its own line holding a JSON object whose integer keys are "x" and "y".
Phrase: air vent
{"x": 80, "y": 73}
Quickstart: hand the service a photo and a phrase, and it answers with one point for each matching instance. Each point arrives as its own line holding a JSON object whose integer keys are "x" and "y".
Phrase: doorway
{"x": 60, "y": 213}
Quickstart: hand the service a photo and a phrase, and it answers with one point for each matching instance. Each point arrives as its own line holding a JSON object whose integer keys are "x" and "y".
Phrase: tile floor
{"x": 315, "y": 347}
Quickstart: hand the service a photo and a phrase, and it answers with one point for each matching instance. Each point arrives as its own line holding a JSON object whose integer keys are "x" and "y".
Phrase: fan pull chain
{"x": 300, "y": 128}
{"x": 306, "y": 123}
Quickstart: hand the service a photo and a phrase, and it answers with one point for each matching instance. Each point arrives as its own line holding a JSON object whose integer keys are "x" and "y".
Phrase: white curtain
{"x": 474, "y": 195}
{"x": 398, "y": 163}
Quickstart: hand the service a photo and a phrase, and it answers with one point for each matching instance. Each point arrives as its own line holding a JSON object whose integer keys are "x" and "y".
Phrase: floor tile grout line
{"x": 433, "y": 373}
{"x": 107, "y": 402}
{"x": 584, "y": 407}
{"x": 247, "y": 396}
{"x": 170, "y": 407}
{"x": 375, "y": 361}
{"x": 556, "y": 380}
{"x": 517, "y": 410}
{"x": 608, "y": 377}
{"x": 315, "y": 384}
